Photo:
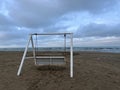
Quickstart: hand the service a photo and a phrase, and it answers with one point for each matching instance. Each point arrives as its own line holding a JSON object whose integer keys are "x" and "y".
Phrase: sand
{"x": 92, "y": 71}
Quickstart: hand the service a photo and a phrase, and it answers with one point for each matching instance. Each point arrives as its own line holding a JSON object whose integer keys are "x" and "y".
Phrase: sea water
{"x": 96, "y": 49}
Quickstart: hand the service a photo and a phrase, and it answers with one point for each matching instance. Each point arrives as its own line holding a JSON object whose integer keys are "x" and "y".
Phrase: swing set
{"x": 47, "y": 60}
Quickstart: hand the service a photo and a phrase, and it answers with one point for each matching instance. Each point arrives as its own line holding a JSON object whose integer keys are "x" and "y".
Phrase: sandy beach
{"x": 92, "y": 71}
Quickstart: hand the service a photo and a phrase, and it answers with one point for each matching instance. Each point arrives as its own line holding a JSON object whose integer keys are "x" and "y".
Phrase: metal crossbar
{"x": 50, "y": 33}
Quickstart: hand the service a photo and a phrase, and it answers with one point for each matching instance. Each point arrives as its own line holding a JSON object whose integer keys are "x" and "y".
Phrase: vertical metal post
{"x": 71, "y": 57}
{"x": 65, "y": 43}
{"x": 34, "y": 55}
{"x": 23, "y": 58}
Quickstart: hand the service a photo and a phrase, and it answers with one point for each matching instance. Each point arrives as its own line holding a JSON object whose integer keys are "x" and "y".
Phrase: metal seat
{"x": 50, "y": 60}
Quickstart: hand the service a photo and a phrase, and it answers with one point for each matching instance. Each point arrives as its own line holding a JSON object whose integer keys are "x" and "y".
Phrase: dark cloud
{"x": 98, "y": 30}
{"x": 40, "y": 13}
{"x": 92, "y": 6}
{"x": 4, "y": 21}
{"x": 32, "y": 14}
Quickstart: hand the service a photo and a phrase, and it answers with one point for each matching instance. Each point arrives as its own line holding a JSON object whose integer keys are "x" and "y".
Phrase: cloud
{"x": 97, "y": 41}
{"x": 41, "y": 13}
{"x": 98, "y": 30}
{"x": 92, "y": 6}
{"x": 86, "y": 18}
{"x": 4, "y": 21}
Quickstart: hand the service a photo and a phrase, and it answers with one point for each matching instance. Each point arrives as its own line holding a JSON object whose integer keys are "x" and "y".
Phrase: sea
{"x": 93, "y": 49}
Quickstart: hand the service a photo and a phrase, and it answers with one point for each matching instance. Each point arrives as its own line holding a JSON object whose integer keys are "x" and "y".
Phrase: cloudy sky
{"x": 93, "y": 22}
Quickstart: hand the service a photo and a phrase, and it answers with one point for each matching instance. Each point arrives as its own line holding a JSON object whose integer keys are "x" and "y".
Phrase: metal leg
{"x": 65, "y": 43}
{"x": 71, "y": 57}
{"x": 33, "y": 48}
{"x": 23, "y": 58}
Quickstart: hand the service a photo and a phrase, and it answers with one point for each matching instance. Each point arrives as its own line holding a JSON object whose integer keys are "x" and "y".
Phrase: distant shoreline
{"x": 76, "y": 49}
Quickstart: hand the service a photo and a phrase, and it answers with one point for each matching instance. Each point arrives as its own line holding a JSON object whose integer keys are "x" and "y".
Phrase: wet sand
{"x": 92, "y": 71}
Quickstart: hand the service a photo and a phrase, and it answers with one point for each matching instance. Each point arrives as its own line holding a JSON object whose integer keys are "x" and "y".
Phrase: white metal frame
{"x": 34, "y": 54}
